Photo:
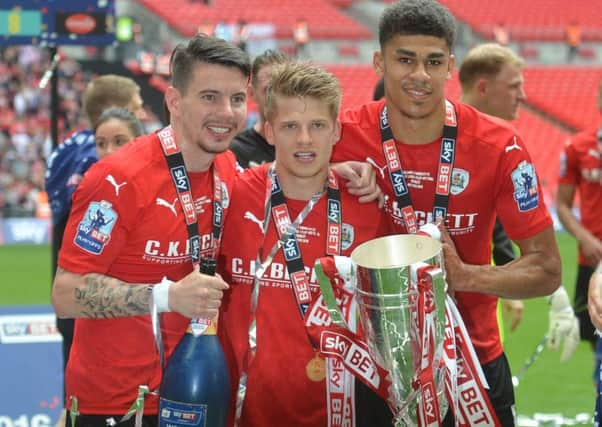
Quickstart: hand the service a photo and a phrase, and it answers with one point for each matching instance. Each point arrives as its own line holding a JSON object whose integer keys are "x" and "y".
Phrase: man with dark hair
{"x": 250, "y": 146}
{"x": 148, "y": 193}
{"x": 446, "y": 162}
{"x": 71, "y": 159}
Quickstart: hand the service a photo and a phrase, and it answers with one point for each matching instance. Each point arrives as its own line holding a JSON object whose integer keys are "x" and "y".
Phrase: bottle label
{"x": 202, "y": 326}
{"x": 176, "y": 414}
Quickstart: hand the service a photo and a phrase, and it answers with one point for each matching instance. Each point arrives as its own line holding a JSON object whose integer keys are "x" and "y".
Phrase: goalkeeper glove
{"x": 564, "y": 326}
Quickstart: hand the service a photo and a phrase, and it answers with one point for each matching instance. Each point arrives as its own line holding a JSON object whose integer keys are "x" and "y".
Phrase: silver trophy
{"x": 384, "y": 277}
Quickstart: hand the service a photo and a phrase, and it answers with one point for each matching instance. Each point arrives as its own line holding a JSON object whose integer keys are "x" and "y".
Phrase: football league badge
{"x": 524, "y": 179}
{"x": 94, "y": 230}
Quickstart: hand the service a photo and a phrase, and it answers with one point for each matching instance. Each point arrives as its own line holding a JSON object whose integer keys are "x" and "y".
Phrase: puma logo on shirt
{"x": 111, "y": 180}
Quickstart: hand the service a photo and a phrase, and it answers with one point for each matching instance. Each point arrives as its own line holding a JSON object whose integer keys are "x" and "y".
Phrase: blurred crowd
{"x": 25, "y": 141}
{"x": 25, "y": 125}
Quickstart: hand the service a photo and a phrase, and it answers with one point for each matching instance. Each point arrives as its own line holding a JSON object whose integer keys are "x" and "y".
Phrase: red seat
{"x": 324, "y": 19}
{"x": 530, "y": 20}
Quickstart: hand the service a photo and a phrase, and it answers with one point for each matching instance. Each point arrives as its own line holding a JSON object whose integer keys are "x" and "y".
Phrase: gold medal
{"x": 316, "y": 368}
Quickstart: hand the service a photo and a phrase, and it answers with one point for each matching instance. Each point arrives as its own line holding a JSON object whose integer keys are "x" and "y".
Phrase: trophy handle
{"x": 328, "y": 295}
{"x": 437, "y": 278}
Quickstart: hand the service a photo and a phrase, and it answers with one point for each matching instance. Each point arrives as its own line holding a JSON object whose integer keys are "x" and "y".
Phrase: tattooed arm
{"x": 99, "y": 296}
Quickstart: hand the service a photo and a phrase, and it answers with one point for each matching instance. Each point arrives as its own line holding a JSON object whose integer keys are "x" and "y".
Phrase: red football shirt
{"x": 278, "y": 388}
{"x": 493, "y": 175}
{"x": 126, "y": 222}
{"x": 581, "y": 166}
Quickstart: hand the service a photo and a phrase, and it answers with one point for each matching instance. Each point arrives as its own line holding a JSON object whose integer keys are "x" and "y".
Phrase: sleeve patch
{"x": 94, "y": 230}
{"x": 524, "y": 180}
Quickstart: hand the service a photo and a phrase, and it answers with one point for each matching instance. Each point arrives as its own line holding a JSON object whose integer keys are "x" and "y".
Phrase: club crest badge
{"x": 524, "y": 179}
{"x": 94, "y": 230}
{"x": 459, "y": 181}
{"x": 225, "y": 196}
{"x": 347, "y": 236}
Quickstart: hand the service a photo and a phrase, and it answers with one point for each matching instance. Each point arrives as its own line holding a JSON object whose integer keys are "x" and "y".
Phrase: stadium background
{"x": 561, "y": 99}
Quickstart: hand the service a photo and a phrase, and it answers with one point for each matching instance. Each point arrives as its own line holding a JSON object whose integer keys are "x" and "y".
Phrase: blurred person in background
{"x": 250, "y": 146}
{"x": 581, "y": 174}
{"x": 572, "y": 35}
{"x": 115, "y": 127}
{"x": 301, "y": 38}
{"x": 492, "y": 81}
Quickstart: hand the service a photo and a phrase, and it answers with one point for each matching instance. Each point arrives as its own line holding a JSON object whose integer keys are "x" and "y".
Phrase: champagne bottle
{"x": 195, "y": 390}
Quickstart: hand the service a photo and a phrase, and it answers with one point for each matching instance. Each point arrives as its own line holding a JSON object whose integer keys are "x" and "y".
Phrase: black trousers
{"x": 372, "y": 411}
{"x": 586, "y": 327}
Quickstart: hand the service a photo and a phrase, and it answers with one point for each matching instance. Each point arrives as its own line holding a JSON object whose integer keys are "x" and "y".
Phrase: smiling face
{"x": 415, "y": 69}
{"x": 303, "y": 131}
{"x": 111, "y": 136}
{"x": 211, "y": 109}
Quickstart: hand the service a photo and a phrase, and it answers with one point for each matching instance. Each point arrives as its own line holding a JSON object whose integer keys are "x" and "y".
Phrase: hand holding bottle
{"x": 196, "y": 295}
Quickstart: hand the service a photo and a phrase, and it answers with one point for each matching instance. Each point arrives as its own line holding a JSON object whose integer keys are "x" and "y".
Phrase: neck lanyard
{"x": 444, "y": 171}
{"x": 276, "y": 203}
{"x": 179, "y": 176}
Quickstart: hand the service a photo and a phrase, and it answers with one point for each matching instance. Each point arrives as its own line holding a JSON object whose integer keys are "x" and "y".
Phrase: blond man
{"x": 287, "y": 381}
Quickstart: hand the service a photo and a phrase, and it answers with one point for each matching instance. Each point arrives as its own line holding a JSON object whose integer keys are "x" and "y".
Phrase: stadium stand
{"x": 324, "y": 19}
{"x": 543, "y": 20}
{"x": 568, "y": 94}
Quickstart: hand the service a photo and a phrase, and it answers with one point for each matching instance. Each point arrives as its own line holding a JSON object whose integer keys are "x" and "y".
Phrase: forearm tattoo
{"x": 103, "y": 297}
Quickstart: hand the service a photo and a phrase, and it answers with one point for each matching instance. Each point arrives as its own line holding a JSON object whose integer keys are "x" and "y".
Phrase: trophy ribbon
{"x": 340, "y": 381}
{"x": 472, "y": 407}
{"x": 328, "y": 330}
{"x": 428, "y": 409}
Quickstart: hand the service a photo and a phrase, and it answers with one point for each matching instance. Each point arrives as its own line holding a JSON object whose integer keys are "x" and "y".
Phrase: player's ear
{"x": 337, "y": 131}
{"x": 378, "y": 63}
{"x": 450, "y": 66}
{"x": 481, "y": 86}
{"x": 269, "y": 132}
{"x": 172, "y": 100}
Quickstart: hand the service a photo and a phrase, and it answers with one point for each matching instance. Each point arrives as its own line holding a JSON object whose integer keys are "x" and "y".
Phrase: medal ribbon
{"x": 444, "y": 171}
{"x": 276, "y": 208}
